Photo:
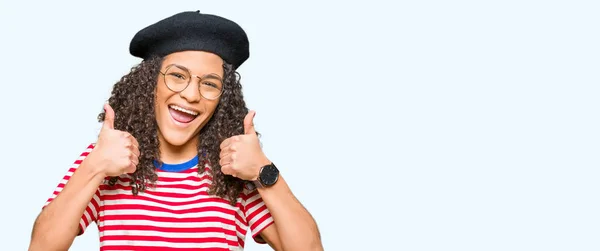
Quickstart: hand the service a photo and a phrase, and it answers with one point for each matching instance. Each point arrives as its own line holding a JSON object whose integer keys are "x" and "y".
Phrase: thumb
{"x": 249, "y": 123}
{"x": 109, "y": 117}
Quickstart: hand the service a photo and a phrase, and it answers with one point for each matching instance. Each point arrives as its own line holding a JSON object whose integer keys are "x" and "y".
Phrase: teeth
{"x": 181, "y": 109}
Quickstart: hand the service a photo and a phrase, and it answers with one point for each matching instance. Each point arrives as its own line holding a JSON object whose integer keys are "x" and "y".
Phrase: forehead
{"x": 197, "y": 62}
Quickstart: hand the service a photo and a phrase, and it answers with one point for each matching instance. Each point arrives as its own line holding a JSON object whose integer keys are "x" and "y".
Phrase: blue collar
{"x": 177, "y": 167}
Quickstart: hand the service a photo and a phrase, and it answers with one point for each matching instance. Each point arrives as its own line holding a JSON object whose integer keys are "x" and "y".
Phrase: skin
{"x": 117, "y": 152}
{"x": 177, "y": 143}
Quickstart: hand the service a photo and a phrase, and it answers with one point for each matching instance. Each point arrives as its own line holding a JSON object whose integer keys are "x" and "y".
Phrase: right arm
{"x": 75, "y": 203}
{"x": 72, "y": 207}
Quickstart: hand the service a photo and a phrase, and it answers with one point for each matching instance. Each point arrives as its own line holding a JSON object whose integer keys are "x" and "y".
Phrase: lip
{"x": 184, "y": 107}
{"x": 180, "y": 124}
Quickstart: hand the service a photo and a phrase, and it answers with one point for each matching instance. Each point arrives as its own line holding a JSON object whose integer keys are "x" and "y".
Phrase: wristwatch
{"x": 267, "y": 176}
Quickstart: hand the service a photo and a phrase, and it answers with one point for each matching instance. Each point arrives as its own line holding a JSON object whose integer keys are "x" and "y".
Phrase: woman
{"x": 178, "y": 164}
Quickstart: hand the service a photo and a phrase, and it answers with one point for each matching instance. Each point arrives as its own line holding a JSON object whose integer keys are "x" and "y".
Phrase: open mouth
{"x": 181, "y": 114}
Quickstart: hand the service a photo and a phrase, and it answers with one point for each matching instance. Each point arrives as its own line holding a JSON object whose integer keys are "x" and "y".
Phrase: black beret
{"x": 192, "y": 30}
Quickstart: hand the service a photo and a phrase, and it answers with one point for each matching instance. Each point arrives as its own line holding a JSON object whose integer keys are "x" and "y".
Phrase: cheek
{"x": 211, "y": 107}
{"x": 160, "y": 92}
{"x": 162, "y": 95}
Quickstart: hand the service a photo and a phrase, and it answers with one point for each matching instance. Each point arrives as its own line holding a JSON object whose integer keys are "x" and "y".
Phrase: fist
{"x": 116, "y": 152}
{"x": 241, "y": 155}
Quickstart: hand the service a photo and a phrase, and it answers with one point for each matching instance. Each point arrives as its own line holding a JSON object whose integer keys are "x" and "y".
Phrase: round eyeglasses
{"x": 177, "y": 78}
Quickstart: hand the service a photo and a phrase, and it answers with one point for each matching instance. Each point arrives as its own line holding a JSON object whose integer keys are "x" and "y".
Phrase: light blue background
{"x": 413, "y": 125}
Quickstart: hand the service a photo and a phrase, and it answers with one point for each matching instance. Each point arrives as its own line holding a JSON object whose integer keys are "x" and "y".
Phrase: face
{"x": 181, "y": 114}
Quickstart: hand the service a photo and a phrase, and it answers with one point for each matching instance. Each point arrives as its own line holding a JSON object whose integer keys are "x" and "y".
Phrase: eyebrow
{"x": 212, "y": 75}
{"x": 208, "y": 75}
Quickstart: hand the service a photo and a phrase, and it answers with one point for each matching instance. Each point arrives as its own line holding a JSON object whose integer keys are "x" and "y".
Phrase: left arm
{"x": 293, "y": 227}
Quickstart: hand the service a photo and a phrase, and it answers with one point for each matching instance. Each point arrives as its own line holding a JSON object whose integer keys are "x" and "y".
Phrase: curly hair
{"x": 133, "y": 98}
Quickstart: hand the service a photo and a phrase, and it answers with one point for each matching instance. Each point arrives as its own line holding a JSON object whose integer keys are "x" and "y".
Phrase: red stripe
{"x": 259, "y": 221}
{"x": 138, "y": 248}
{"x": 182, "y": 186}
{"x": 257, "y": 237}
{"x": 137, "y": 199}
{"x": 166, "y": 219}
{"x": 168, "y": 239}
{"x": 200, "y": 190}
{"x": 88, "y": 209}
{"x": 251, "y": 216}
{"x": 253, "y": 203}
{"x": 95, "y": 203}
{"x": 189, "y": 170}
{"x": 85, "y": 221}
{"x": 202, "y": 209}
{"x": 167, "y": 229}
{"x": 191, "y": 177}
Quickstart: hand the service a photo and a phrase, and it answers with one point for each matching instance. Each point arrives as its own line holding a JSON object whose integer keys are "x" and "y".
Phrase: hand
{"x": 116, "y": 152}
{"x": 241, "y": 155}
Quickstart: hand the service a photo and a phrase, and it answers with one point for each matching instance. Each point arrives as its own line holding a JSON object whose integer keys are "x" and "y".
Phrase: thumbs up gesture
{"x": 116, "y": 152}
{"x": 241, "y": 155}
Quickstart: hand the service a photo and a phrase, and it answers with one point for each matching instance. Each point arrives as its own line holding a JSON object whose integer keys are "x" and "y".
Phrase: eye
{"x": 211, "y": 84}
{"x": 177, "y": 75}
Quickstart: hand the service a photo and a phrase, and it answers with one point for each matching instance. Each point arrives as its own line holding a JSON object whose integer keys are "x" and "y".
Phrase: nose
{"x": 191, "y": 94}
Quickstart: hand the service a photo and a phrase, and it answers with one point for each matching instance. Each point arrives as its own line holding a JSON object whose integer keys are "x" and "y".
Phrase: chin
{"x": 177, "y": 133}
{"x": 177, "y": 139}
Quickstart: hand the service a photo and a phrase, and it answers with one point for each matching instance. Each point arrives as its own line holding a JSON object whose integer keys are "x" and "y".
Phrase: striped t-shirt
{"x": 176, "y": 214}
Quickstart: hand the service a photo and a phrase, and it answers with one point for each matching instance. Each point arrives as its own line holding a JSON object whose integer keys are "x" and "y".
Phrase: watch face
{"x": 269, "y": 175}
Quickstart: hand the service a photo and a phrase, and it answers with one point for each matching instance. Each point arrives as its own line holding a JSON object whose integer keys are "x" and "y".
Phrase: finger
{"x": 135, "y": 160}
{"x": 109, "y": 117}
{"x": 134, "y": 141}
{"x": 135, "y": 146}
{"x": 227, "y": 150}
{"x": 225, "y": 143}
{"x": 229, "y": 141}
{"x": 249, "y": 123}
{"x": 226, "y": 160}
{"x": 131, "y": 169}
{"x": 136, "y": 151}
{"x": 224, "y": 153}
{"x": 226, "y": 169}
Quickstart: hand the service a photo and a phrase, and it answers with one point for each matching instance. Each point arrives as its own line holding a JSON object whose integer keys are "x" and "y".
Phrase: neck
{"x": 177, "y": 154}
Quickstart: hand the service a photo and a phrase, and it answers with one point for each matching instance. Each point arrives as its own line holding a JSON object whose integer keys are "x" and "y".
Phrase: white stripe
{"x": 169, "y": 207}
{"x": 87, "y": 217}
{"x": 160, "y": 224}
{"x": 170, "y": 234}
{"x": 253, "y": 198}
{"x": 166, "y": 214}
{"x": 175, "y": 182}
{"x": 251, "y": 210}
{"x": 197, "y": 186}
{"x": 92, "y": 207}
{"x": 241, "y": 237}
{"x": 178, "y": 191}
{"x": 183, "y": 182}
{"x": 261, "y": 226}
{"x": 204, "y": 181}
{"x": 257, "y": 217}
{"x": 163, "y": 234}
{"x": 158, "y": 197}
{"x": 240, "y": 224}
{"x": 82, "y": 224}
{"x": 192, "y": 172}
{"x": 165, "y": 244}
